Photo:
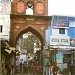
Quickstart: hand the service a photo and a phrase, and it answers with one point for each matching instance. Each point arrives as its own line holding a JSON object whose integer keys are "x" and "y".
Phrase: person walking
{"x": 56, "y": 69}
{"x": 21, "y": 66}
{"x": 9, "y": 67}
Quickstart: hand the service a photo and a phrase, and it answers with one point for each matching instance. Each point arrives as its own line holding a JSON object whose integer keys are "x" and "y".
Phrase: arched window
{"x": 29, "y": 8}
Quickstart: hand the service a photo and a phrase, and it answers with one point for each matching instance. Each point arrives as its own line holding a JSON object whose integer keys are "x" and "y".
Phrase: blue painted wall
{"x": 71, "y": 32}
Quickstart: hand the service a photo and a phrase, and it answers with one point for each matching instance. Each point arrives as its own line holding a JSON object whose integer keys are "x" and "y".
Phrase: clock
{"x": 20, "y": 7}
{"x": 40, "y": 8}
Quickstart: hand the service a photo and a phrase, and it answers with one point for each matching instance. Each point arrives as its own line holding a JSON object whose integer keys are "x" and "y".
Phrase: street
{"x": 24, "y": 74}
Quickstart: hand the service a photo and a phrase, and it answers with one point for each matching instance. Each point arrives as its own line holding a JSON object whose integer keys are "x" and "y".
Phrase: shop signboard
{"x": 60, "y": 24}
{"x": 59, "y": 58}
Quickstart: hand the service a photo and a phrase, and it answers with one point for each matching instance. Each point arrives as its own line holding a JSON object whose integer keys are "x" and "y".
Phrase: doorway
{"x": 29, "y": 53}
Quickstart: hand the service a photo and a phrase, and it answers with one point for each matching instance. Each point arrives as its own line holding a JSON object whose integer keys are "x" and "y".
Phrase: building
{"x": 5, "y": 53}
{"x": 5, "y": 8}
{"x": 61, "y": 40}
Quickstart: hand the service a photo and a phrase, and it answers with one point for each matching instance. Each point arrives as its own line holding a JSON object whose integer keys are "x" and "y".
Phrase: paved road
{"x": 29, "y": 73}
{"x": 24, "y": 74}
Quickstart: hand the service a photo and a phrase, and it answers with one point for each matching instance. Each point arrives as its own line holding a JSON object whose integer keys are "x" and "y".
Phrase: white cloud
{"x": 61, "y": 7}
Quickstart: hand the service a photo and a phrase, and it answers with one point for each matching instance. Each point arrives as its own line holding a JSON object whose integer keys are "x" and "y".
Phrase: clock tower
{"x": 39, "y": 7}
{"x": 22, "y": 20}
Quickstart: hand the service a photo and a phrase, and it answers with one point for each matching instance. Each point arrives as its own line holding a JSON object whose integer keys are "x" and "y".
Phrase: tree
{"x": 29, "y": 42}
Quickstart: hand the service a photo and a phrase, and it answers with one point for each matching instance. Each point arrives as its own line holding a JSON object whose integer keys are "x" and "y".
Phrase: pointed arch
{"x": 33, "y": 31}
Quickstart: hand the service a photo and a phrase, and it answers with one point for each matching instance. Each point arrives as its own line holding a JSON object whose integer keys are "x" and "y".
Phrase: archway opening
{"x": 28, "y": 49}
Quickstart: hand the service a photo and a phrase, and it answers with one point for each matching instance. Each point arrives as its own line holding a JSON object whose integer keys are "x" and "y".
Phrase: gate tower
{"x": 36, "y": 22}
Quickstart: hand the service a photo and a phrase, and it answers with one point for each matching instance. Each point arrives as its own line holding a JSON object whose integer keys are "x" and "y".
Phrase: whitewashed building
{"x": 5, "y": 9}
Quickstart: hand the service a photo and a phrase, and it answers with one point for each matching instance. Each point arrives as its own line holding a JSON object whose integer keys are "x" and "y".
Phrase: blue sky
{"x": 61, "y": 7}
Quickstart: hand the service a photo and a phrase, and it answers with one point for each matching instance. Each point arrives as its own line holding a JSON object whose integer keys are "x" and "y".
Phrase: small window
{"x": 1, "y": 28}
{"x": 64, "y": 40}
{"x": 55, "y": 40}
{"x": 61, "y": 31}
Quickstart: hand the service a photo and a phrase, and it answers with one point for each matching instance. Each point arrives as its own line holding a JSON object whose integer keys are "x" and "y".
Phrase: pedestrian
{"x": 21, "y": 66}
{"x": 9, "y": 67}
{"x": 53, "y": 69}
{"x": 56, "y": 69}
{"x": 25, "y": 67}
{"x": 34, "y": 69}
{"x": 47, "y": 68}
{"x": 37, "y": 68}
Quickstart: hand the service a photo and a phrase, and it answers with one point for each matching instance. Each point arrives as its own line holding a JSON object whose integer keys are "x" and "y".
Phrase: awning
{"x": 62, "y": 47}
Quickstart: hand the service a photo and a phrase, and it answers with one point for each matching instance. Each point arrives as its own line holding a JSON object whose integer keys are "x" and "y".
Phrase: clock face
{"x": 20, "y": 7}
{"x": 40, "y": 8}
